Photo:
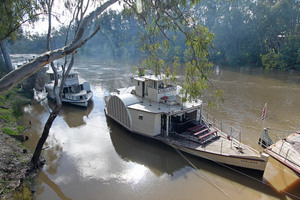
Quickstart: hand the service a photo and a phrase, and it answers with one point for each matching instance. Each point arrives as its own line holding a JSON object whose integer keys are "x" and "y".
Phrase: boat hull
{"x": 81, "y": 102}
{"x": 287, "y": 152}
{"x": 247, "y": 163}
{"x": 253, "y": 164}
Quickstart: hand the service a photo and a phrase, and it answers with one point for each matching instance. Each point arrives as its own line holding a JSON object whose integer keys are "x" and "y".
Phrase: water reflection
{"x": 162, "y": 159}
{"x": 91, "y": 157}
{"x": 131, "y": 147}
{"x": 74, "y": 116}
{"x": 45, "y": 179}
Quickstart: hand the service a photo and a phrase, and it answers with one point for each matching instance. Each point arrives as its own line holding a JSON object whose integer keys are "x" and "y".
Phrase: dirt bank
{"x": 14, "y": 157}
{"x": 14, "y": 168}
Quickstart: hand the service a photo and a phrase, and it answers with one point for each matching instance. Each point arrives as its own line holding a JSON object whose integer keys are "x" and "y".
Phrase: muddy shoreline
{"x": 16, "y": 177}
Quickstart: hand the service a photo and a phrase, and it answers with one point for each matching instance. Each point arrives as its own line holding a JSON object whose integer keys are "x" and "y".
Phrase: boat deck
{"x": 216, "y": 143}
{"x": 287, "y": 151}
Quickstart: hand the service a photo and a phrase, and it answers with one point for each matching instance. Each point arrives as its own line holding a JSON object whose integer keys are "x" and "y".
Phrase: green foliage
{"x": 245, "y": 30}
{"x": 170, "y": 31}
{"x": 273, "y": 60}
{"x": 215, "y": 98}
{"x": 9, "y": 131}
{"x": 17, "y": 106}
{"x": 14, "y": 13}
{"x": 11, "y": 104}
{"x": 24, "y": 193}
{"x": 197, "y": 64}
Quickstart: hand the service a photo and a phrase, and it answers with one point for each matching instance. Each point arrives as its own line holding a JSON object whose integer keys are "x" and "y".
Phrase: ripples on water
{"x": 91, "y": 157}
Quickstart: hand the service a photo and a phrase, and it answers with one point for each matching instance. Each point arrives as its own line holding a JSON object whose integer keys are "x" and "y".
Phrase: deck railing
{"x": 229, "y": 130}
{"x": 277, "y": 135}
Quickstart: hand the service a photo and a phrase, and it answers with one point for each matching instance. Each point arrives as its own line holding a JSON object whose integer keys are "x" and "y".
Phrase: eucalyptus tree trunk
{"x": 35, "y": 160}
{"x": 5, "y": 53}
{"x": 20, "y": 74}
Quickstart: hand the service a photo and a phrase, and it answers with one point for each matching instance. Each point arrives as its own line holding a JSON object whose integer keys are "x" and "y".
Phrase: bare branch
{"x": 17, "y": 27}
{"x": 20, "y": 74}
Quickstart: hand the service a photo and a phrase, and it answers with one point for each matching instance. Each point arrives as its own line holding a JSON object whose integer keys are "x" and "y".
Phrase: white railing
{"x": 229, "y": 130}
{"x": 277, "y": 135}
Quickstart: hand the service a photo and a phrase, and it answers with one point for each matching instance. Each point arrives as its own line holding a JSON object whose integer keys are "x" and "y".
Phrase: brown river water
{"x": 91, "y": 157}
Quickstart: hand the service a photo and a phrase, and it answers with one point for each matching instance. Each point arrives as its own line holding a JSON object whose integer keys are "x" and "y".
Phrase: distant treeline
{"x": 247, "y": 32}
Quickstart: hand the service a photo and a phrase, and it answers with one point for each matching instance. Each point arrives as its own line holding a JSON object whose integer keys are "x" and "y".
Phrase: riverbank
{"x": 16, "y": 180}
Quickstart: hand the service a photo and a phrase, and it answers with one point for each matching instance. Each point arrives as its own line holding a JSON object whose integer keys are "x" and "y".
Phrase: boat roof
{"x": 158, "y": 107}
{"x": 160, "y": 77}
{"x": 139, "y": 103}
{"x": 80, "y": 81}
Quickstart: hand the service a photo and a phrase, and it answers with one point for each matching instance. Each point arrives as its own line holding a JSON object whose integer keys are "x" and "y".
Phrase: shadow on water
{"x": 292, "y": 189}
{"x": 45, "y": 179}
{"x": 74, "y": 116}
{"x": 161, "y": 159}
{"x": 132, "y": 147}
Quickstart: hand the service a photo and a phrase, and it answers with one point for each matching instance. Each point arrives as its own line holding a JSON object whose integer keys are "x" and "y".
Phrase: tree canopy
{"x": 246, "y": 33}
{"x": 159, "y": 22}
{"x": 14, "y": 13}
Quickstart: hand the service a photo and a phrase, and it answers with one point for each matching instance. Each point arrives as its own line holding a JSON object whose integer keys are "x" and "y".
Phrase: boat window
{"x": 140, "y": 117}
{"x": 138, "y": 83}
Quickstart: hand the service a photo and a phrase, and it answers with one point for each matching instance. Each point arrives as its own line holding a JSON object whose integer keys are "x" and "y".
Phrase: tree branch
{"x": 20, "y": 74}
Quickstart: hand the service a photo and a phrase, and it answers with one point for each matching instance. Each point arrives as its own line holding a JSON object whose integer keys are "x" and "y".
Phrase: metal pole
{"x": 281, "y": 146}
{"x": 287, "y": 154}
{"x": 221, "y": 146}
{"x": 239, "y": 139}
{"x": 167, "y": 125}
{"x": 221, "y": 126}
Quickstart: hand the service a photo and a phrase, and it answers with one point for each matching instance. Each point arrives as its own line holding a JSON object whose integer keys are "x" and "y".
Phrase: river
{"x": 91, "y": 157}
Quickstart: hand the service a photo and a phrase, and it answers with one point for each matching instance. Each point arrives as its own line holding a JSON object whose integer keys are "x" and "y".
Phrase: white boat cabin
{"x": 75, "y": 88}
{"x": 152, "y": 106}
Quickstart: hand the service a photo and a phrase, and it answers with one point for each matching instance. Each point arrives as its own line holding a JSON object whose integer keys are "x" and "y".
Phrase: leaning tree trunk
{"x": 5, "y": 53}
{"x": 35, "y": 160}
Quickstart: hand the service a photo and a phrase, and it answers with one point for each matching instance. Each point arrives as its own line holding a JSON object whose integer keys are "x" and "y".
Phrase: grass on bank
{"x": 11, "y": 104}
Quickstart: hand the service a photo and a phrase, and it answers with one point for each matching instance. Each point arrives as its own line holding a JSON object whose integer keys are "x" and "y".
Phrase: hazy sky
{"x": 64, "y": 16}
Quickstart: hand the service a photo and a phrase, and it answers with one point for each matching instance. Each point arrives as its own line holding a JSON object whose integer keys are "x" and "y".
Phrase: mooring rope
{"x": 193, "y": 166}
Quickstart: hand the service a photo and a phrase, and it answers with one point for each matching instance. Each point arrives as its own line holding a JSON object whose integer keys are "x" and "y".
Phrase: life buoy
{"x": 165, "y": 97}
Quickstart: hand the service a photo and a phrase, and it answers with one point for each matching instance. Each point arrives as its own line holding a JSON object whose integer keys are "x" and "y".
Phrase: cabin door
{"x": 163, "y": 123}
{"x": 143, "y": 89}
